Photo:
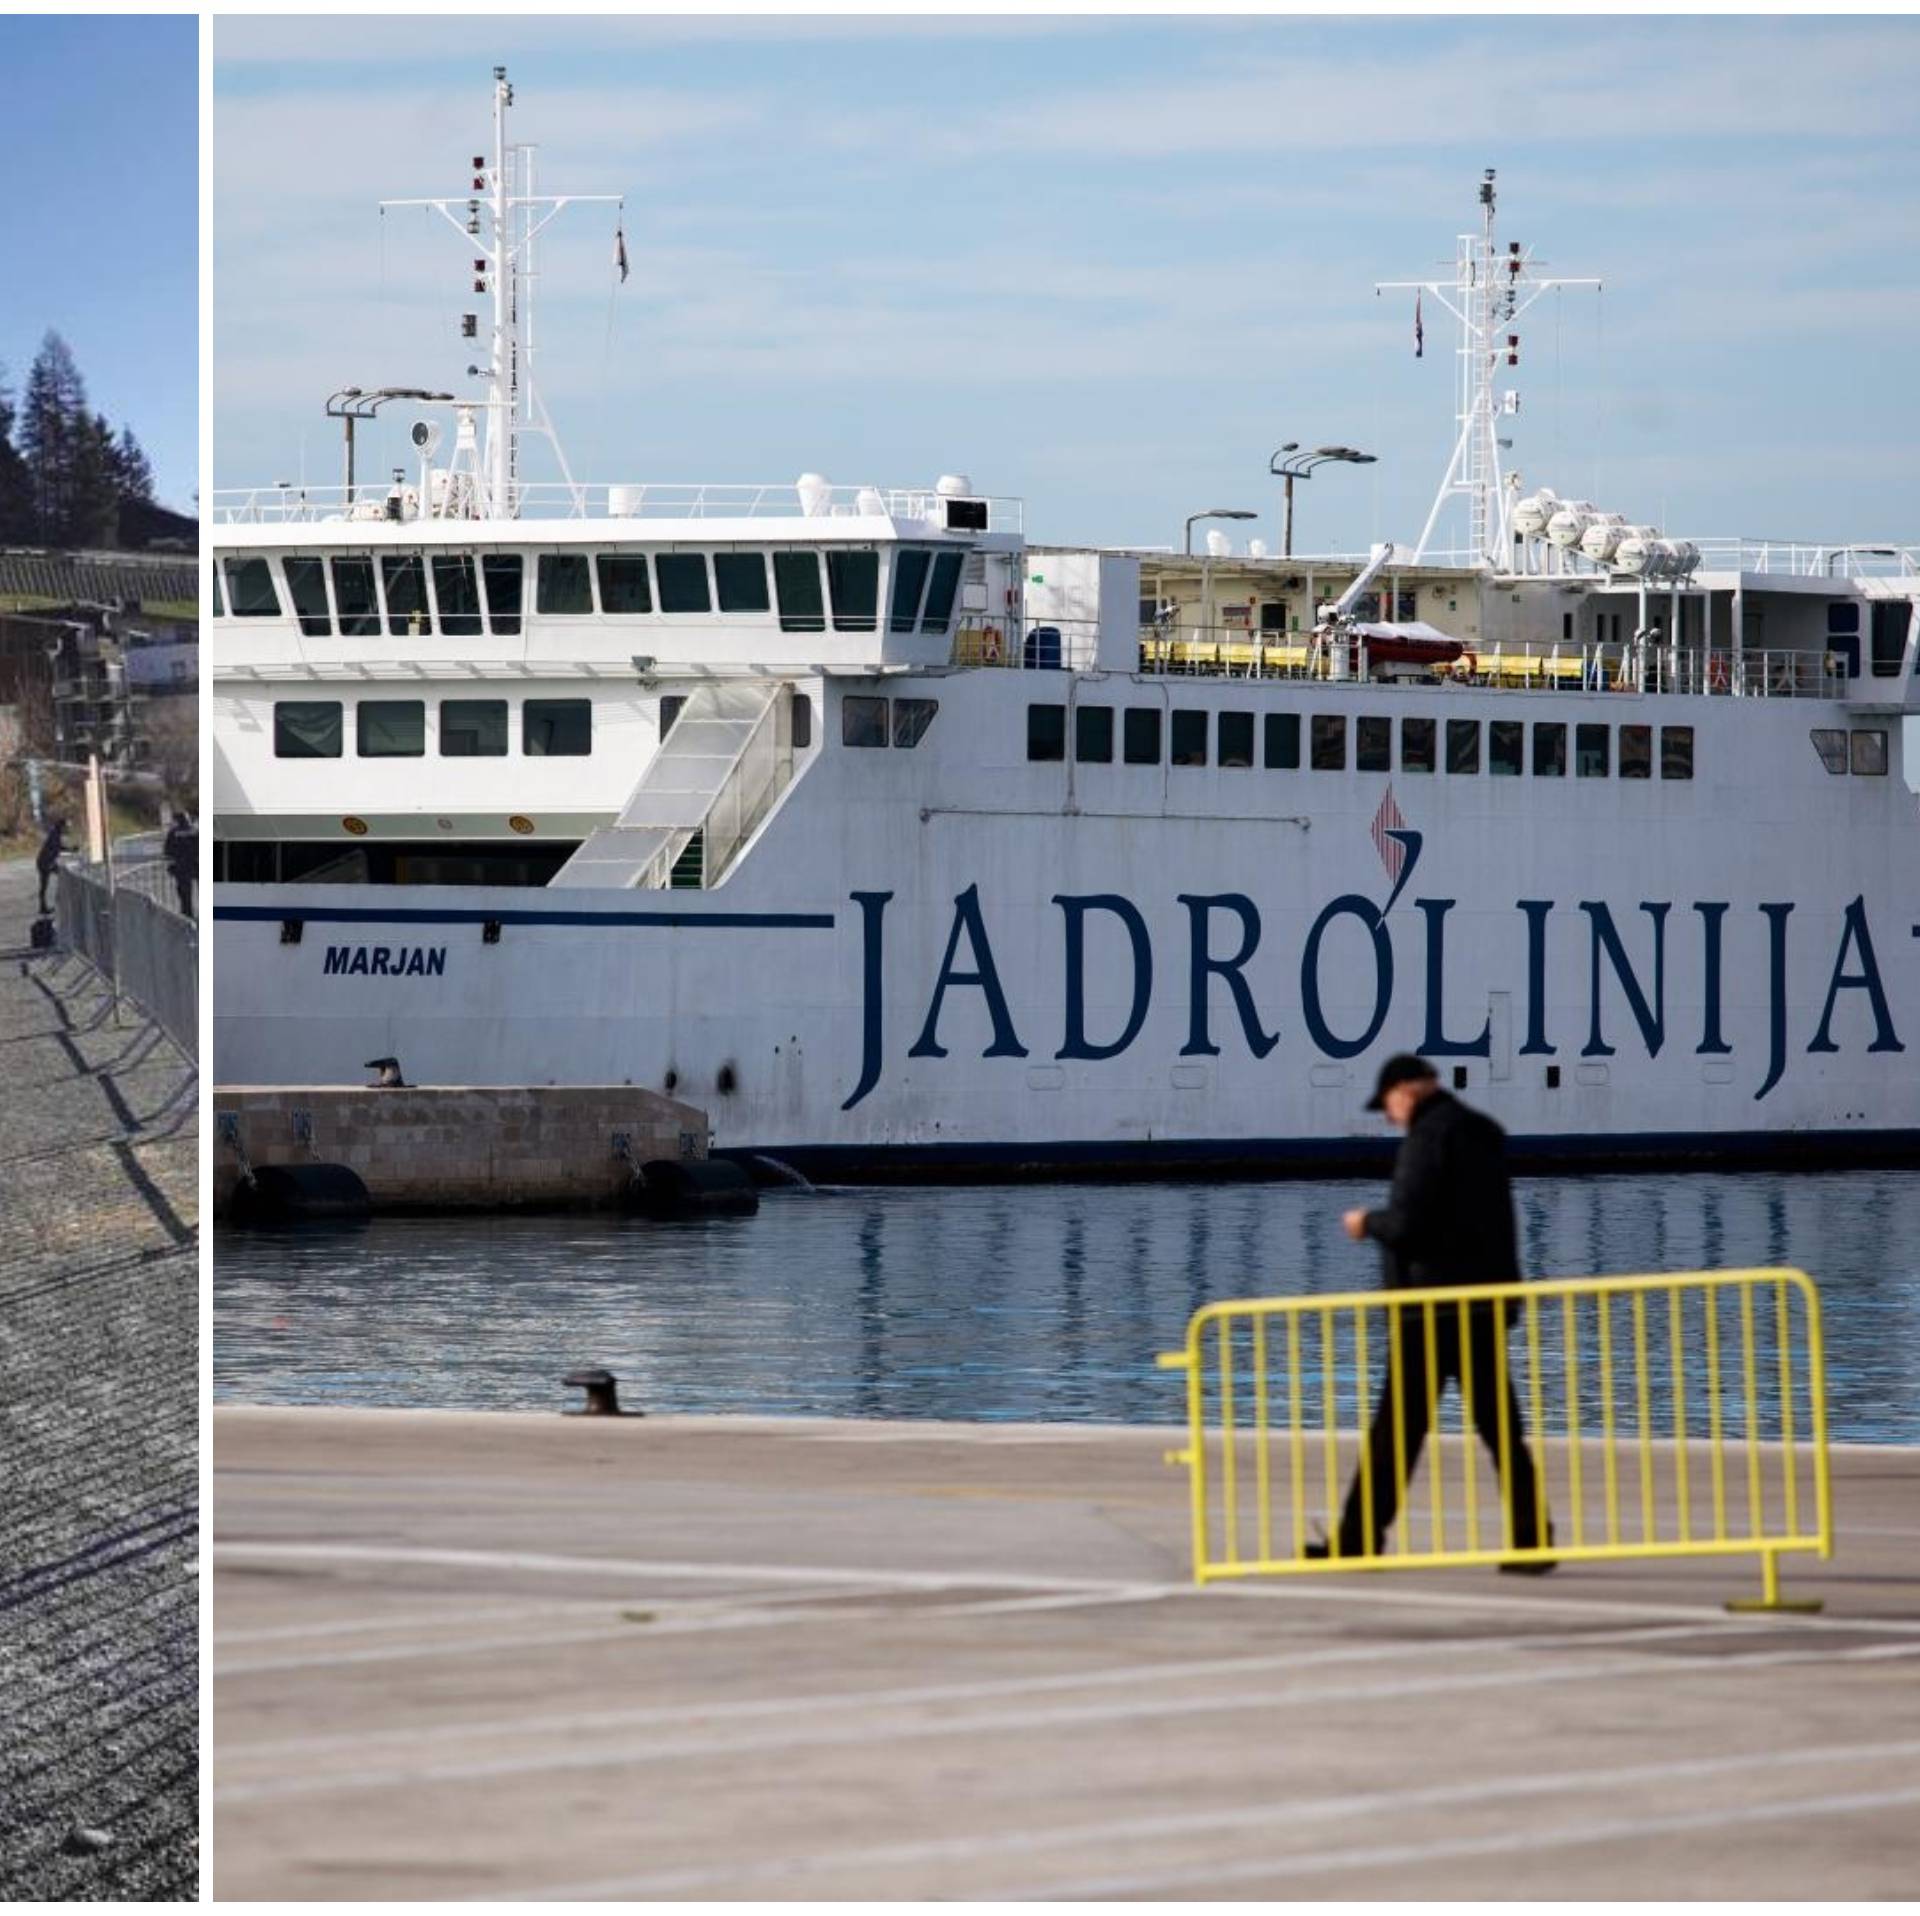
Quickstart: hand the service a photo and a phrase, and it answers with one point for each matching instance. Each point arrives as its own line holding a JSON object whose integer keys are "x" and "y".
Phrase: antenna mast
{"x": 1487, "y": 294}
{"x": 499, "y": 220}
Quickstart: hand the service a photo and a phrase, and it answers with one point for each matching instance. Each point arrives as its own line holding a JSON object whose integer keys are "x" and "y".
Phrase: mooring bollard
{"x": 603, "y": 1396}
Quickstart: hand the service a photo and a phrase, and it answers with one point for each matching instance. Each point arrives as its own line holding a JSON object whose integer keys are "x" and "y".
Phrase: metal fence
{"x": 1675, "y": 1416}
{"x": 146, "y": 951}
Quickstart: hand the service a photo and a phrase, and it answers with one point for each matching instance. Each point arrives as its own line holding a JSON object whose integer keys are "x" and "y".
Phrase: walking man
{"x": 181, "y": 849}
{"x": 1449, "y": 1221}
{"x": 49, "y": 858}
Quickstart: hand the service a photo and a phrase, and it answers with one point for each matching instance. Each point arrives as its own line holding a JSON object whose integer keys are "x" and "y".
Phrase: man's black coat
{"x": 1450, "y": 1217}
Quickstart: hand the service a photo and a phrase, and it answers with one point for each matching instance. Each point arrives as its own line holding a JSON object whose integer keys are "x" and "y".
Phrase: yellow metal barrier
{"x": 1675, "y": 1416}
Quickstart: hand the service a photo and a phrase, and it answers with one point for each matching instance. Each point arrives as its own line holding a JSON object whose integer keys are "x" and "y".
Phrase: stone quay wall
{"x": 457, "y": 1147}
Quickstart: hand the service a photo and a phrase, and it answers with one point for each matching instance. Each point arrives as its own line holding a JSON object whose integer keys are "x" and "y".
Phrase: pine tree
{"x": 93, "y": 516}
{"x": 54, "y": 419}
{"x": 132, "y": 473}
{"x": 16, "y": 486}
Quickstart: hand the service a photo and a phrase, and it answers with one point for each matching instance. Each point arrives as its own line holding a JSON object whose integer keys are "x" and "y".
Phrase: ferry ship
{"x": 903, "y": 844}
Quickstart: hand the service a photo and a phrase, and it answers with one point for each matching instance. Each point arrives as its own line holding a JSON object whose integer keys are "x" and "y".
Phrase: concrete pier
{"x": 457, "y": 1147}
{"x": 528, "y": 1657}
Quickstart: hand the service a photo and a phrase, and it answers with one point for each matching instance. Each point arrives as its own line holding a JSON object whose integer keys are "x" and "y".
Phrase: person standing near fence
{"x": 181, "y": 850}
{"x": 1449, "y": 1221}
{"x": 48, "y": 860}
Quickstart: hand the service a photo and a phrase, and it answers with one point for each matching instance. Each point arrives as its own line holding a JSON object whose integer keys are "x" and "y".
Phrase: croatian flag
{"x": 1393, "y": 853}
{"x": 1419, "y": 331}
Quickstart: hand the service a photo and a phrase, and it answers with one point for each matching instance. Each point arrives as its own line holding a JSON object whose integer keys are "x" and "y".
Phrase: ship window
{"x": 1463, "y": 746}
{"x": 353, "y": 598}
{"x": 1832, "y": 747}
{"x": 1506, "y": 742}
{"x": 391, "y": 728}
{"x": 556, "y": 728}
{"x": 683, "y": 581}
{"x": 1093, "y": 734}
{"x": 941, "y": 591}
{"x": 501, "y": 573}
{"x": 1189, "y": 738}
{"x": 1236, "y": 739}
{"x": 1139, "y": 733}
{"x": 219, "y": 609}
{"x": 911, "y": 717}
{"x": 563, "y": 584}
{"x": 910, "y": 567}
{"x": 1869, "y": 754}
{"x": 624, "y": 586}
{"x": 1273, "y": 615}
{"x": 1549, "y": 751}
{"x": 1590, "y": 751}
{"x": 796, "y": 577}
{"x": 456, "y": 591}
{"x": 405, "y": 579}
{"x": 1282, "y": 753}
{"x": 1418, "y": 744}
{"x": 740, "y": 579}
{"x": 250, "y": 589}
{"x": 473, "y": 728}
{"x": 1636, "y": 751}
{"x": 1329, "y": 742}
{"x": 306, "y": 728}
{"x": 802, "y": 721}
{"x": 864, "y": 721}
{"x": 1373, "y": 744}
{"x": 1046, "y": 732}
{"x": 307, "y": 587}
{"x": 1843, "y": 616}
{"x": 853, "y": 583}
{"x": 1676, "y": 751}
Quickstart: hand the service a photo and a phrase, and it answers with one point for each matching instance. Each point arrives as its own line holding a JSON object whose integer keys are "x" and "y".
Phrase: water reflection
{"x": 1046, "y": 1302}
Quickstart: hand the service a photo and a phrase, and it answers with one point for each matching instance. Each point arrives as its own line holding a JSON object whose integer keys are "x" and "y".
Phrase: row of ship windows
{"x": 467, "y": 728}
{"x": 1231, "y": 736}
{"x": 409, "y": 594}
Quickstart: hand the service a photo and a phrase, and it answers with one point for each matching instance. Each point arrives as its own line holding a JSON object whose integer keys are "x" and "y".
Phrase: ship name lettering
{"x": 385, "y": 961}
{"x": 1103, "y": 1015}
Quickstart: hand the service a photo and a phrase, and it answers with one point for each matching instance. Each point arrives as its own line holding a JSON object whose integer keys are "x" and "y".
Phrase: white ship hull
{"x": 953, "y": 957}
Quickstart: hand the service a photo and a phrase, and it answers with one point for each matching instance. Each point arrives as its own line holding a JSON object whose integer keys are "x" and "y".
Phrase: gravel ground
{"x": 99, "y": 1523}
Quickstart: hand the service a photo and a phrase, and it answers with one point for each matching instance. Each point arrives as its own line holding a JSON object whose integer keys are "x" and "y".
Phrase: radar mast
{"x": 499, "y": 219}
{"x": 1488, "y": 293}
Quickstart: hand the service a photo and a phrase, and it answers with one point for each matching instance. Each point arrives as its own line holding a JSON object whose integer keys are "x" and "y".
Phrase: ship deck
{"x": 674, "y": 1657}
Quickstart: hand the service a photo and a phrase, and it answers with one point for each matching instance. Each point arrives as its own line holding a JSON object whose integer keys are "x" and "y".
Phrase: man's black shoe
{"x": 1319, "y": 1550}
{"x": 1537, "y": 1567}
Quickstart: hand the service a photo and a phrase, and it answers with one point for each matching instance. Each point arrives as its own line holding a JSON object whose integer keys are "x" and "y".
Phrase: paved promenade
{"x": 463, "y": 1655}
{"x": 99, "y": 1305}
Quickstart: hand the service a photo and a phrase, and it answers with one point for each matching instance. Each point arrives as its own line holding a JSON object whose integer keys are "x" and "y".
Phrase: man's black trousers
{"x": 1408, "y": 1357}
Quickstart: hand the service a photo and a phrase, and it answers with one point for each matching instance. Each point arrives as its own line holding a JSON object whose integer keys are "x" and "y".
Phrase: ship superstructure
{"x": 895, "y": 839}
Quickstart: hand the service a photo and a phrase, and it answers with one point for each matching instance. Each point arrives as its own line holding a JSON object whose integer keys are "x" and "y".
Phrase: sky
{"x": 100, "y": 221}
{"x": 1108, "y": 266}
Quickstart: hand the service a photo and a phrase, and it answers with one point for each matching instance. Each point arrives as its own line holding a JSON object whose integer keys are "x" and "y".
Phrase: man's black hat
{"x": 1402, "y": 1068}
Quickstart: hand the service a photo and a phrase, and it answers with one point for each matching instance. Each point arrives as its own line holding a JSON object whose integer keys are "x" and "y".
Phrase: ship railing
{"x": 1026, "y": 642}
{"x": 1178, "y": 650}
{"x": 1798, "y": 558}
{"x": 313, "y": 505}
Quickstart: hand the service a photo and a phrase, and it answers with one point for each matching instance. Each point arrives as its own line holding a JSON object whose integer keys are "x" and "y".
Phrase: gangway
{"x": 724, "y": 760}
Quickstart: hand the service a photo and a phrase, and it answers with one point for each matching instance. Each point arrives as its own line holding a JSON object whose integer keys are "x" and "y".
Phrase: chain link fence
{"x": 148, "y": 952}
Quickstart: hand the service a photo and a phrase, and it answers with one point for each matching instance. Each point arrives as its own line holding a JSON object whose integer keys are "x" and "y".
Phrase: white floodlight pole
{"x": 1484, "y": 311}
{"x": 513, "y": 217}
